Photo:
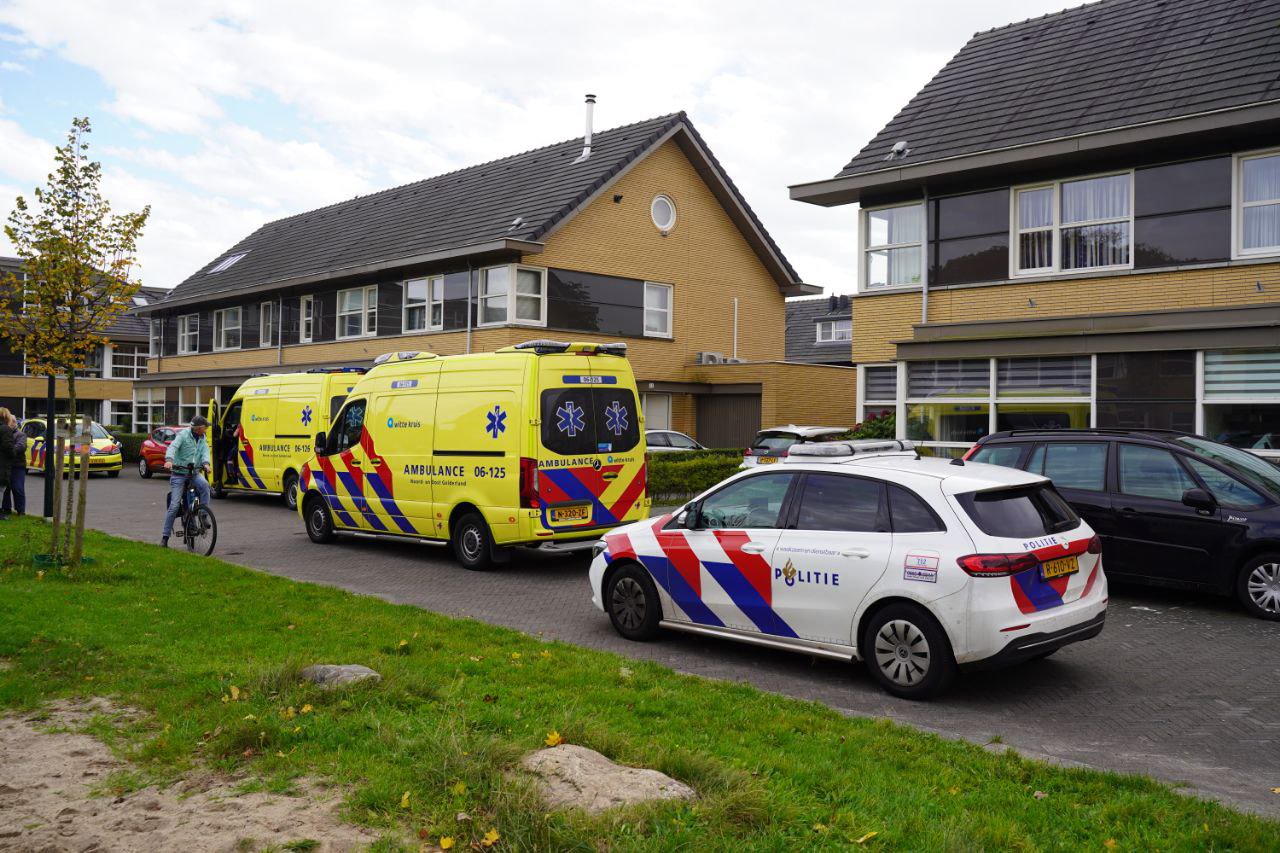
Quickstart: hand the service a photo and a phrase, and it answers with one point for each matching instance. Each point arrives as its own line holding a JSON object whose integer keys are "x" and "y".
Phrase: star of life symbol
{"x": 570, "y": 420}
{"x": 615, "y": 418}
{"x": 497, "y": 421}
{"x": 306, "y": 416}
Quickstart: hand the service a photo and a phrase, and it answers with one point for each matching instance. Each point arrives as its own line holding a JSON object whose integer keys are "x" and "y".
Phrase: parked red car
{"x": 151, "y": 458}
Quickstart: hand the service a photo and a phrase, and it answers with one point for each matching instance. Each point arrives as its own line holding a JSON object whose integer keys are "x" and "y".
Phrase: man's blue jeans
{"x": 176, "y": 482}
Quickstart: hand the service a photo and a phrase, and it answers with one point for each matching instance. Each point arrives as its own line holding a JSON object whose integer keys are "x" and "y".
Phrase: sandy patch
{"x": 46, "y": 804}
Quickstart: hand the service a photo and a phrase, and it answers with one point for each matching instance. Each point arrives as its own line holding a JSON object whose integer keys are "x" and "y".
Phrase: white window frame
{"x": 991, "y": 400}
{"x": 509, "y": 303}
{"x": 188, "y": 327}
{"x": 831, "y": 337}
{"x": 306, "y": 319}
{"x": 644, "y": 409}
{"x": 1057, "y": 227}
{"x": 131, "y": 364}
{"x": 1238, "y": 204}
{"x": 155, "y": 337}
{"x": 368, "y": 313}
{"x": 877, "y": 404}
{"x": 145, "y": 400}
{"x": 220, "y": 328}
{"x": 670, "y": 310}
{"x": 267, "y": 324}
{"x": 865, "y": 248}
{"x": 428, "y": 305}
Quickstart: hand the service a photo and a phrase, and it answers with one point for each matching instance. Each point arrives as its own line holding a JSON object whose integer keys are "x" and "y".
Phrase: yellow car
{"x": 104, "y": 450}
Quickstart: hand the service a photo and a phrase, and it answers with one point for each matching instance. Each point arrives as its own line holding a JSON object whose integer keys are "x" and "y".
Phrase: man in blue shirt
{"x": 187, "y": 451}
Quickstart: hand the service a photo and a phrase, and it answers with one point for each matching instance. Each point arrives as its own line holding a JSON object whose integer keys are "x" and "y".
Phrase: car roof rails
{"x": 1094, "y": 431}
{"x": 543, "y": 346}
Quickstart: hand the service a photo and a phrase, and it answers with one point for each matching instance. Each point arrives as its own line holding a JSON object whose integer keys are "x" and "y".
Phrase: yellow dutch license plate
{"x": 1059, "y": 567}
{"x": 766, "y": 460}
{"x": 570, "y": 513}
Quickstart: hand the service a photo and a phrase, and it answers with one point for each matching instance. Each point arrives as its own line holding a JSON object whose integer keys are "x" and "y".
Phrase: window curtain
{"x": 1261, "y": 224}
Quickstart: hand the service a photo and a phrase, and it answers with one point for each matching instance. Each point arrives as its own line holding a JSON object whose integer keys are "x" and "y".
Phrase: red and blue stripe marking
{"x": 1034, "y": 594}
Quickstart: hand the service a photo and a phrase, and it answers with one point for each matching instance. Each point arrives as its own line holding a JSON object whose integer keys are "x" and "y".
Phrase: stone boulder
{"x": 329, "y": 676}
{"x": 576, "y": 777}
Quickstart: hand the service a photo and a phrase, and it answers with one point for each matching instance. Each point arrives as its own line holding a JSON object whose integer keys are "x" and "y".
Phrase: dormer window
{"x": 227, "y": 263}
{"x": 834, "y": 331}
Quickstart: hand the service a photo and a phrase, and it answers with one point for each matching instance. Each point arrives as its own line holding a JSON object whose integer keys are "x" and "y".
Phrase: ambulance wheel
{"x": 319, "y": 521}
{"x": 289, "y": 491}
{"x": 633, "y": 604}
{"x": 144, "y": 470}
{"x": 472, "y": 544}
{"x": 907, "y": 651}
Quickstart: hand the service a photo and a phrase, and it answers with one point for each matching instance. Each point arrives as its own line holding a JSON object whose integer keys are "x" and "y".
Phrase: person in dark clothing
{"x": 15, "y": 496}
{"x": 6, "y": 449}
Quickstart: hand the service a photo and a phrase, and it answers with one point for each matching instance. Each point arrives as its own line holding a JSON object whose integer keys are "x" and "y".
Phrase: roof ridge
{"x": 460, "y": 170}
{"x": 1043, "y": 17}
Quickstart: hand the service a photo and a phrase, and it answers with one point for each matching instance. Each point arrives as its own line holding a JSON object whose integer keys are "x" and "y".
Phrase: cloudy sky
{"x": 223, "y": 115}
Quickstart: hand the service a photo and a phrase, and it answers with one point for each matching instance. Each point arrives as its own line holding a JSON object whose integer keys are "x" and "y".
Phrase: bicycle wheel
{"x": 202, "y": 531}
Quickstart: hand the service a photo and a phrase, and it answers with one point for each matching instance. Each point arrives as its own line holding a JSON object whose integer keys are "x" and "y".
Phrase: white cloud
{"x": 380, "y": 93}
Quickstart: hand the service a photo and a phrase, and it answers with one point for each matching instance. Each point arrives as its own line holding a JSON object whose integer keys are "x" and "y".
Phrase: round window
{"x": 663, "y": 211}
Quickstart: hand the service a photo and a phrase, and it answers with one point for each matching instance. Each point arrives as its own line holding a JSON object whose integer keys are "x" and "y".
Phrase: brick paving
{"x": 1184, "y": 688}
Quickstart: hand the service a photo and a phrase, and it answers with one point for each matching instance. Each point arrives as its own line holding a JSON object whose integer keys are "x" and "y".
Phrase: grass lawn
{"x": 211, "y": 652}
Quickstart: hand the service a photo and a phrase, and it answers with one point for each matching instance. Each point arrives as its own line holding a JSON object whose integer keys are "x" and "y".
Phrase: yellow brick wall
{"x": 806, "y": 394}
{"x": 86, "y": 389}
{"x": 879, "y": 320}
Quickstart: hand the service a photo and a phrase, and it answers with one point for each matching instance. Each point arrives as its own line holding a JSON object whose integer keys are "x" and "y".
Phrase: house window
{"x": 155, "y": 338}
{"x": 188, "y": 333}
{"x": 148, "y": 409}
{"x": 227, "y": 263}
{"x": 657, "y": 411}
{"x": 834, "y": 331}
{"x": 1258, "y": 199}
{"x": 358, "y": 312}
{"x": 663, "y": 212}
{"x": 893, "y": 246}
{"x": 92, "y": 365}
{"x": 657, "y": 310}
{"x": 267, "y": 323}
{"x": 879, "y": 391}
{"x": 1081, "y": 224}
{"x": 226, "y": 328}
{"x": 118, "y": 414}
{"x": 531, "y": 296}
{"x": 494, "y": 295}
{"x": 128, "y": 361}
{"x": 307, "y": 316}
{"x": 424, "y": 304}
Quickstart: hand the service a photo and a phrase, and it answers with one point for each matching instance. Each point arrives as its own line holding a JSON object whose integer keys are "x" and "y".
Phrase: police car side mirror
{"x": 320, "y": 441}
{"x": 1199, "y": 499}
{"x": 691, "y": 516}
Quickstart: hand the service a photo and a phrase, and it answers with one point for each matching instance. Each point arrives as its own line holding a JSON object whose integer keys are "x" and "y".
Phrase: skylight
{"x": 227, "y": 262}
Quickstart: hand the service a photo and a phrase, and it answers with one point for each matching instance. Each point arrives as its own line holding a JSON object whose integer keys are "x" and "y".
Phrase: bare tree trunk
{"x": 68, "y": 516}
{"x": 59, "y": 446}
{"x": 78, "y": 549}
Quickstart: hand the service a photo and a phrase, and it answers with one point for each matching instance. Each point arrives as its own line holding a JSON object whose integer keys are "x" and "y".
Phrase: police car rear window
{"x": 1023, "y": 512}
{"x": 577, "y": 421}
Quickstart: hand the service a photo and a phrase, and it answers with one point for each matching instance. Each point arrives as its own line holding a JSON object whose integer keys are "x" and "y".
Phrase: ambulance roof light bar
{"x": 344, "y": 369}
{"x": 542, "y": 346}
{"x": 820, "y": 451}
{"x": 388, "y": 357}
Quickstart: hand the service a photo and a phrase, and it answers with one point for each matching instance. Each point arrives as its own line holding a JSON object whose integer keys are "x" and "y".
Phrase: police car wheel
{"x": 632, "y": 600}
{"x": 144, "y": 470}
{"x": 471, "y": 543}
{"x": 907, "y": 652}
{"x": 319, "y": 521}
{"x": 1258, "y": 587}
{"x": 289, "y": 491}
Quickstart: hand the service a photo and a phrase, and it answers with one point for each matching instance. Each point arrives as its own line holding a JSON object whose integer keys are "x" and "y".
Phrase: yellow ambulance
{"x": 266, "y": 433}
{"x": 536, "y": 443}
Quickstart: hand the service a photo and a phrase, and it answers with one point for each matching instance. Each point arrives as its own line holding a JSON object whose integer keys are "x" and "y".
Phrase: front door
{"x": 342, "y": 470}
{"x": 1156, "y": 535}
{"x": 721, "y": 575}
{"x": 830, "y": 555}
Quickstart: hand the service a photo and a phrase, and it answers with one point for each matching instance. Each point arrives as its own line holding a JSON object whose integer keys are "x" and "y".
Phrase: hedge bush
{"x": 130, "y": 444}
{"x": 676, "y": 476}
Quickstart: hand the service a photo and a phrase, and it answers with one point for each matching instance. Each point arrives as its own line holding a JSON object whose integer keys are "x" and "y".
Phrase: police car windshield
{"x": 1240, "y": 461}
{"x": 1024, "y": 512}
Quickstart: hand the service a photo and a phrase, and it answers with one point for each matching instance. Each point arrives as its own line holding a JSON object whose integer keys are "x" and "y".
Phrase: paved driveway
{"x": 1180, "y": 687}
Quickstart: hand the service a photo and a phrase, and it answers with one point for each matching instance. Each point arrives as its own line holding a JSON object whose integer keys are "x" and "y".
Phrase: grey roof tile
{"x": 1097, "y": 67}
{"x": 801, "y": 336}
{"x": 457, "y": 209}
{"x": 127, "y": 325}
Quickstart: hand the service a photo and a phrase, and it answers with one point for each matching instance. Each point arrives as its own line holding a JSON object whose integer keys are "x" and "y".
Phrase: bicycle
{"x": 194, "y": 524}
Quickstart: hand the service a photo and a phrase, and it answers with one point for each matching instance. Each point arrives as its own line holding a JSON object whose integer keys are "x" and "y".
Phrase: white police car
{"x": 863, "y": 549}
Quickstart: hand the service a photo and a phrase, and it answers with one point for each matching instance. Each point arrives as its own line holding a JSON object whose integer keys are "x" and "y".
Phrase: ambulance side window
{"x": 334, "y": 405}
{"x": 347, "y": 428}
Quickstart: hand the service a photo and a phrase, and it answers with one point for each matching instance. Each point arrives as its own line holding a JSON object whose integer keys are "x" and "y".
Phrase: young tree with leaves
{"x": 78, "y": 258}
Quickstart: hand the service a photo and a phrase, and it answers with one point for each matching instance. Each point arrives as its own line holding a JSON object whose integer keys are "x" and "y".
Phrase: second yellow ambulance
{"x": 536, "y": 443}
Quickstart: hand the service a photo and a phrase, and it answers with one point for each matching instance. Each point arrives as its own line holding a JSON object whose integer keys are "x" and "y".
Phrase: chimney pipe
{"x": 586, "y": 139}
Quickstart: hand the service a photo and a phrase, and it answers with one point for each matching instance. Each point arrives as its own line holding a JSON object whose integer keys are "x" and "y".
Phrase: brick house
{"x": 1076, "y": 222}
{"x": 104, "y": 388}
{"x": 645, "y": 239}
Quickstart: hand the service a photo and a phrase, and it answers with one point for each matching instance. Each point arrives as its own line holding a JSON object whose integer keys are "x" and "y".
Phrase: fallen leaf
{"x": 88, "y": 678}
{"x": 424, "y": 833}
{"x": 446, "y": 842}
{"x": 516, "y": 656}
{"x": 248, "y": 753}
{"x": 544, "y": 653}
{"x": 226, "y": 698}
{"x": 415, "y": 636}
{"x": 307, "y": 709}
{"x": 290, "y": 627}
{"x": 459, "y": 788}
{"x": 870, "y": 835}
{"x": 474, "y": 658}
{"x": 490, "y": 698}
{"x": 553, "y": 738}
{"x": 235, "y": 693}
{"x": 289, "y": 713}
{"x": 490, "y": 838}
{"x": 404, "y": 800}
{"x": 624, "y": 671}
{"x": 820, "y": 827}
{"x": 1110, "y": 844}
{"x": 297, "y": 729}
{"x": 403, "y": 643}
{"x": 250, "y": 717}
{"x": 462, "y": 817}
{"x": 1275, "y": 790}
{"x": 40, "y": 575}
{"x": 1039, "y": 795}
{"x": 280, "y": 754}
